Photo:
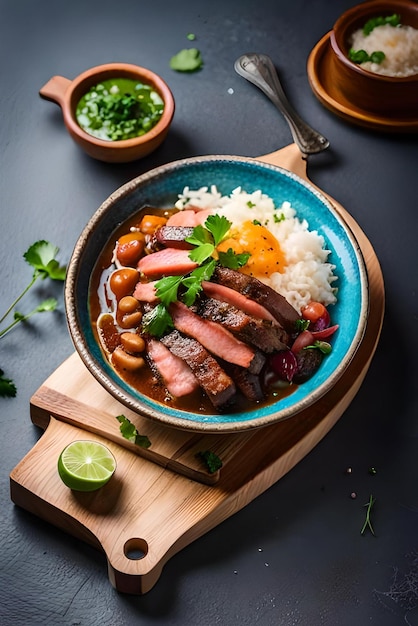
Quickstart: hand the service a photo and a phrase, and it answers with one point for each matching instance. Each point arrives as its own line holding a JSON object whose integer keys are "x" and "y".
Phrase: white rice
{"x": 308, "y": 275}
{"x": 399, "y": 44}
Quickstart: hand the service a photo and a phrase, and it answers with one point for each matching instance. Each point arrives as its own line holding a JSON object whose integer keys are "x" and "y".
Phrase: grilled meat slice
{"x": 226, "y": 294}
{"x": 172, "y": 237}
{"x": 265, "y": 335}
{"x": 176, "y": 374}
{"x": 218, "y": 386}
{"x": 249, "y": 384}
{"x": 216, "y": 338}
{"x": 166, "y": 262}
{"x": 254, "y": 289}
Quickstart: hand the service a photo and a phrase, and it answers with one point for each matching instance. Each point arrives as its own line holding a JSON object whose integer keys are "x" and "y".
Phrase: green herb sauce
{"x": 119, "y": 108}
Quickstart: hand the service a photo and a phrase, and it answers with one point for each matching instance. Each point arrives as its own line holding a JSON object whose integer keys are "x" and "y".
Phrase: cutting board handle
{"x": 289, "y": 158}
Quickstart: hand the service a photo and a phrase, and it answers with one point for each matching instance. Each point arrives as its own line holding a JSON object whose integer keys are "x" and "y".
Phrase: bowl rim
{"x": 344, "y": 24}
{"x": 151, "y": 410}
{"x": 96, "y": 74}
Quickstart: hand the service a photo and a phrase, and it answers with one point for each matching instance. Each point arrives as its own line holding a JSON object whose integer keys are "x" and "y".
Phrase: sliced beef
{"x": 254, "y": 289}
{"x": 249, "y": 384}
{"x": 265, "y": 335}
{"x": 145, "y": 292}
{"x": 216, "y": 338}
{"x": 226, "y": 294}
{"x": 172, "y": 237}
{"x": 189, "y": 217}
{"x": 166, "y": 262}
{"x": 177, "y": 376}
{"x": 218, "y": 386}
{"x": 308, "y": 361}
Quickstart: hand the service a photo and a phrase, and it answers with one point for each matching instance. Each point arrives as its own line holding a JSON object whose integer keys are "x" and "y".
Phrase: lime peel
{"x": 86, "y": 465}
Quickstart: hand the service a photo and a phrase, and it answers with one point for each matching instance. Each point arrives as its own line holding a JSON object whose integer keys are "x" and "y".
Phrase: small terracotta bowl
{"x": 67, "y": 93}
{"x": 376, "y": 93}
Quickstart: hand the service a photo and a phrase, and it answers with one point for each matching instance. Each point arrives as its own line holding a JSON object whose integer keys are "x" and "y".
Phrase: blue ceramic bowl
{"x": 160, "y": 187}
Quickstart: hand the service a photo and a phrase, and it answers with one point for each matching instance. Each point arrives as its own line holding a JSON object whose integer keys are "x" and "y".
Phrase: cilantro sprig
{"x": 7, "y": 386}
{"x": 41, "y": 256}
{"x": 186, "y": 288}
{"x": 211, "y": 460}
{"x": 129, "y": 432}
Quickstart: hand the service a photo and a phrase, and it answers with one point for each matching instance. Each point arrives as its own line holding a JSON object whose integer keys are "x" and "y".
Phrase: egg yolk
{"x": 266, "y": 254}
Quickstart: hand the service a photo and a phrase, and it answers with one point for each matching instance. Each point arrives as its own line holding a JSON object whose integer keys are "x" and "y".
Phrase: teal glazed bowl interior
{"x": 160, "y": 188}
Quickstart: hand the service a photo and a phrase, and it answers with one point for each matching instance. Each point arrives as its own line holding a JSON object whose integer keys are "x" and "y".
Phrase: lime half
{"x": 86, "y": 465}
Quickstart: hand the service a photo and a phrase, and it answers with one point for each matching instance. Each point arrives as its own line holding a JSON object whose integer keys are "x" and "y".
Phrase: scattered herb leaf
{"x": 193, "y": 282}
{"x": 393, "y": 20}
{"x": 130, "y": 433}
{"x": 367, "y": 522}
{"x": 322, "y": 346}
{"x": 187, "y": 60}
{"x": 361, "y": 56}
{"x": 191, "y": 36}
{"x": 279, "y": 218}
{"x": 7, "y": 386}
{"x": 211, "y": 460}
{"x": 202, "y": 253}
{"x": 157, "y": 321}
{"x": 233, "y": 260}
{"x": 218, "y": 225}
{"x": 167, "y": 289}
{"x": 302, "y": 324}
{"x": 41, "y": 255}
{"x": 47, "y": 305}
{"x": 377, "y": 57}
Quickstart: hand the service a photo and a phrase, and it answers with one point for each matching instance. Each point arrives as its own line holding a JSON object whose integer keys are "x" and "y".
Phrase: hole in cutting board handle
{"x": 135, "y": 549}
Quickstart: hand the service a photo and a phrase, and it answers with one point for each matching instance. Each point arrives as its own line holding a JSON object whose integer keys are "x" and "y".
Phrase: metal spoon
{"x": 259, "y": 70}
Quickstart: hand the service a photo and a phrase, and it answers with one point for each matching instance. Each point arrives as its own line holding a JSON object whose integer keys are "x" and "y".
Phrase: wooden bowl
{"x": 67, "y": 93}
{"x": 386, "y": 95}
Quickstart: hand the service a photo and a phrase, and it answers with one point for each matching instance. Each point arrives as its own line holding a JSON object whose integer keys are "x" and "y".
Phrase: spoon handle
{"x": 259, "y": 70}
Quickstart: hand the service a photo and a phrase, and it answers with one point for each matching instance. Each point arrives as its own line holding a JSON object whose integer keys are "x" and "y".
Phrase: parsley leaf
{"x": 41, "y": 255}
{"x": 218, "y": 225}
{"x": 200, "y": 235}
{"x": 7, "y": 386}
{"x": 201, "y": 253}
{"x": 233, "y": 260}
{"x": 279, "y": 218}
{"x": 211, "y": 460}
{"x": 156, "y": 321}
{"x": 167, "y": 288}
{"x": 130, "y": 433}
{"x": 301, "y": 325}
{"x": 193, "y": 282}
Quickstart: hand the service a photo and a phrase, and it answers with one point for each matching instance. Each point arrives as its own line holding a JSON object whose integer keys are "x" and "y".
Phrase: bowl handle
{"x": 55, "y": 89}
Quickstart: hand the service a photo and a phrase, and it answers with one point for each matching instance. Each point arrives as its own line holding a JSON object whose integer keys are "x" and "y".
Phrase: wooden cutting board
{"x": 162, "y": 498}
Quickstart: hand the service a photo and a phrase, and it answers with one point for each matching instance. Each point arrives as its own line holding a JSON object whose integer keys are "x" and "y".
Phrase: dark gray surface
{"x": 294, "y": 556}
